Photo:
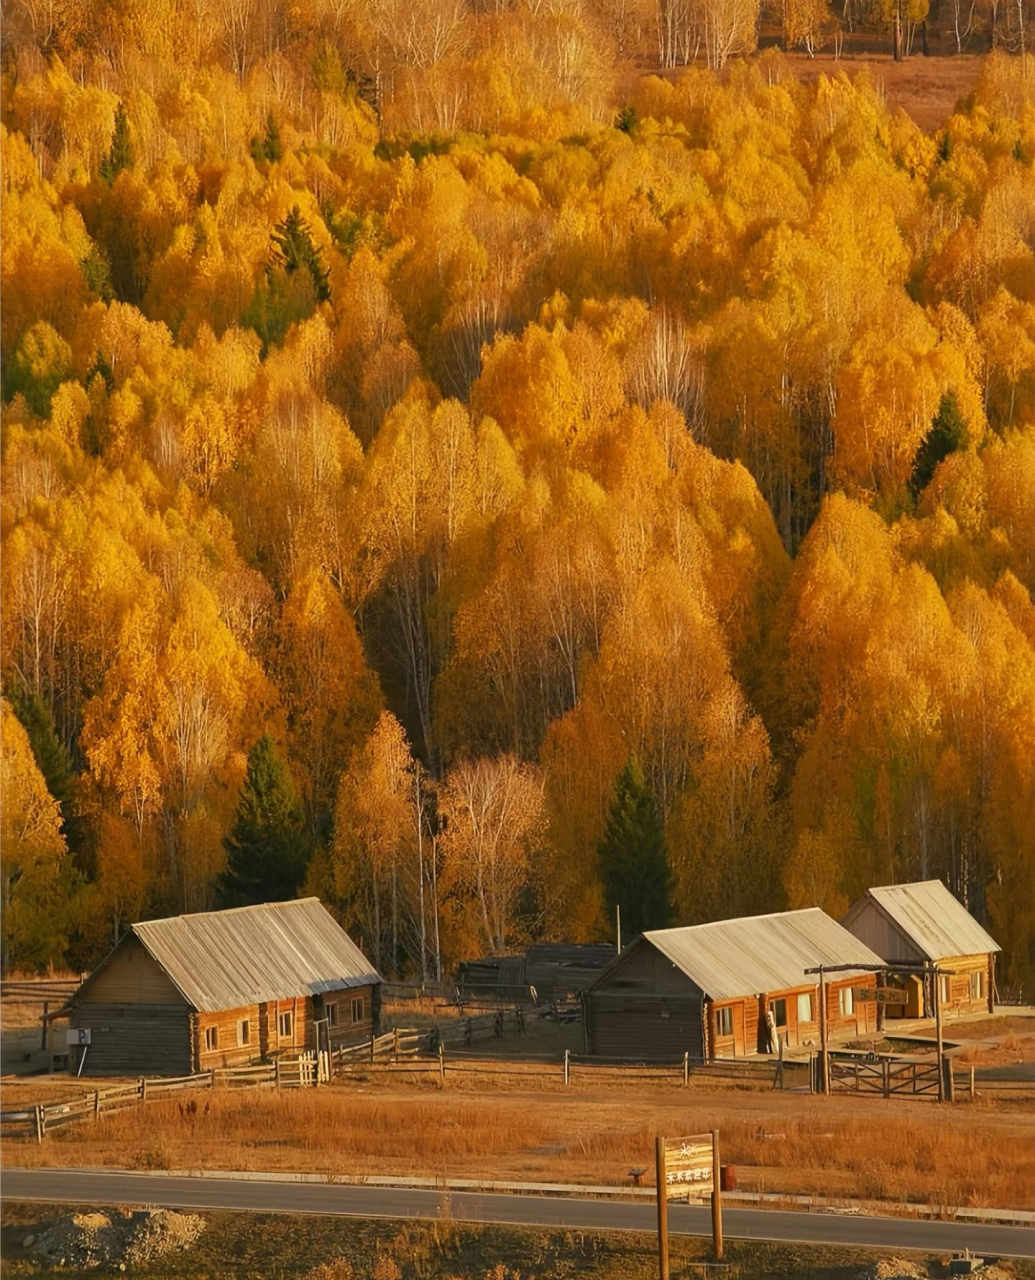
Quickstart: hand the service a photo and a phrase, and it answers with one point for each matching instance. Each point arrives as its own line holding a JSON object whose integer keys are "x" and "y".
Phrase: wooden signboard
{"x": 882, "y": 995}
{"x": 688, "y": 1167}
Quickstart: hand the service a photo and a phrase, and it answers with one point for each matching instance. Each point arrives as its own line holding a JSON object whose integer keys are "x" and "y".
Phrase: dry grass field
{"x": 523, "y": 1127}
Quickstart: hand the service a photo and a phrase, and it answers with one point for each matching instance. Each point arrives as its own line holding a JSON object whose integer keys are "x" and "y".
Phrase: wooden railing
{"x": 39, "y": 1120}
{"x": 415, "y": 1051}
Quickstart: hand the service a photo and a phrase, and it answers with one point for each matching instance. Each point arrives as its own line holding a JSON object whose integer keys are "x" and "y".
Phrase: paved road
{"x": 87, "y": 1187}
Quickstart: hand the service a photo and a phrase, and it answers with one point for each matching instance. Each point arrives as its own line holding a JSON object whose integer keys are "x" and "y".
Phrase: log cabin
{"x": 223, "y": 988}
{"x": 911, "y": 923}
{"x": 729, "y": 989}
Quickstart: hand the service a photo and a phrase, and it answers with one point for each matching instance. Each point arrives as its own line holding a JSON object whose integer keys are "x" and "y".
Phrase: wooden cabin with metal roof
{"x": 923, "y": 921}
{"x": 223, "y": 988}
{"x": 730, "y": 988}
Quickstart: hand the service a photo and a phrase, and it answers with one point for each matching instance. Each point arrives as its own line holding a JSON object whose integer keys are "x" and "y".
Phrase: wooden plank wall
{"x": 960, "y": 1000}
{"x": 229, "y": 1052}
{"x": 645, "y": 1026}
{"x": 131, "y": 976}
{"x": 133, "y": 1040}
{"x": 349, "y": 1030}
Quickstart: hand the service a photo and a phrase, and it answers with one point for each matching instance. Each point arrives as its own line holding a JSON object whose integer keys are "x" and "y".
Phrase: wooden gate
{"x": 884, "y": 1075}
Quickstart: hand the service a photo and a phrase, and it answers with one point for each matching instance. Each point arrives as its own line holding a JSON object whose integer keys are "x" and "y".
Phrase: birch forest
{"x": 419, "y": 417}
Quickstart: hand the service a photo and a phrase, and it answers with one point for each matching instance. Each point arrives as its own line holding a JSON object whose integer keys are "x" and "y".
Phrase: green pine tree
{"x": 294, "y": 245}
{"x": 633, "y": 860}
{"x": 120, "y": 156}
{"x": 948, "y": 433}
{"x": 52, "y": 760}
{"x": 267, "y": 850}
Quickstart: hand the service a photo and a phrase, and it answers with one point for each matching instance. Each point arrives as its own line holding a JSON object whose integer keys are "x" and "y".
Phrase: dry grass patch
{"x": 969, "y": 1154}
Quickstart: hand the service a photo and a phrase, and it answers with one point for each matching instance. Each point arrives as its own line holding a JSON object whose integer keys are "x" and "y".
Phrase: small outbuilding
{"x": 223, "y": 988}
{"x": 911, "y": 923}
{"x": 730, "y": 988}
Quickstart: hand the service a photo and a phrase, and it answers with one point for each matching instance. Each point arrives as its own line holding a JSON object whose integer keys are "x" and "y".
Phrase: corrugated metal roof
{"x": 744, "y": 957}
{"x": 932, "y": 918}
{"x": 227, "y": 959}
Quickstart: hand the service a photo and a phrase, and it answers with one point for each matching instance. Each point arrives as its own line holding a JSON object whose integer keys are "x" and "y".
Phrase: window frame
{"x": 244, "y": 1031}
{"x": 977, "y": 985}
{"x": 805, "y": 1001}
{"x": 331, "y": 1013}
{"x": 780, "y": 1002}
{"x": 286, "y": 1019}
{"x": 944, "y": 989}
{"x": 212, "y": 1039}
{"x": 360, "y": 1003}
{"x": 845, "y": 1002}
{"x": 724, "y": 1021}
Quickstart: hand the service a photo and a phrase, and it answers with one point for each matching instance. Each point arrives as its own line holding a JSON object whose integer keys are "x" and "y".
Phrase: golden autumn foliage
{"x": 376, "y": 380}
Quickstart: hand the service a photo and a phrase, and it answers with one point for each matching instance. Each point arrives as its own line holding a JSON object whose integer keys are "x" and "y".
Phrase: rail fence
{"x": 418, "y": 1052}
{"x": 43, "y": 1118}
{"x": 45, "y": 990}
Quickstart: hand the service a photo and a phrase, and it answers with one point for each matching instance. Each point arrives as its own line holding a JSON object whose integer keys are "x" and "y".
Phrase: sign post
{"x": 687, "y": 1169}
{"x": 716, "y": 1198}
{"x": 659, "y": 1154}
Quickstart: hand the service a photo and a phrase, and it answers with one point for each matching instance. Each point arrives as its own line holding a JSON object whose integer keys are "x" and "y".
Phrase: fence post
{"x": 949, "y": 1082}
{"x": 567, "y": 1066}
{"x": 41, "y": 1122}
{"x": 686, "y": 1068}
{"x": 442, "y": 1061}
{"x": 276, "y": 1071}
{"x": 972, "y": 1083}
{"x": 97, "y": 1102}
{"x": 395, "y": 1044}
{"x": 887, "y": 1077}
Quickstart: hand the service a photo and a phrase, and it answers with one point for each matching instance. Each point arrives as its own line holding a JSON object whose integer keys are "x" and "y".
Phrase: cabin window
{"x": 357, "y": 1008}
{"x": 944, "y": 994}
{"x": 778, "y": 1008}
{"x": 846, "y": 1002}
{"x": 805, "y": 1006}
{"x": 724, "y": 1021}
{"x": 286, "y": 1024}
{"x": 977, "y": 985}
{"x": 243, "y": 1031}
{"x": 332, "y": 1014}
{"x": 211, "y": 1039}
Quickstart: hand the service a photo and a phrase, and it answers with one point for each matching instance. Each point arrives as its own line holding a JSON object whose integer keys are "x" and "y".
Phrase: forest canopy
{"x": 404, "y": 442}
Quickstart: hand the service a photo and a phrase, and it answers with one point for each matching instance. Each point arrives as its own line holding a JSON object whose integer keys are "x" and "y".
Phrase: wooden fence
{"x": 37, "y": 1121}
{"x": 410, "y": 1051}
{"x": 44, "y": 991}
{"x": 886, "y": 1075}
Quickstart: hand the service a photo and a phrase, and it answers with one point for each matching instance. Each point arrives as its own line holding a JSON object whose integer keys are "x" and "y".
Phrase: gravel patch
{"x": 118, "y": 1238}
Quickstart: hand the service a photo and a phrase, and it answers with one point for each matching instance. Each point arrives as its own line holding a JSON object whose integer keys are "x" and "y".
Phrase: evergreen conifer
{"x": 267, "y": 850}
{"x": 120, "y": 156}
{"x": 633, "y": 862}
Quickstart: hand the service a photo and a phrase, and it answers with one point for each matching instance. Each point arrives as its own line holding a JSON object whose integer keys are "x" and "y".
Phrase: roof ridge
{"x": 708, "y": 924}
{"x": 226, "y": 911}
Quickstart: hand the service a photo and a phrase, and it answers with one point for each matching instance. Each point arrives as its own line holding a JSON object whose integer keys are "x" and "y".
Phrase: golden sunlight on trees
{"x": 425, "y": 393}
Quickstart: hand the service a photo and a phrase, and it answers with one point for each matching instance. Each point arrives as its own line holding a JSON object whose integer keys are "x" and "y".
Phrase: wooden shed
{"x": 728, "y": 989}
{"x": 911, "y": 923}
{"x": 223, "y": 988}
